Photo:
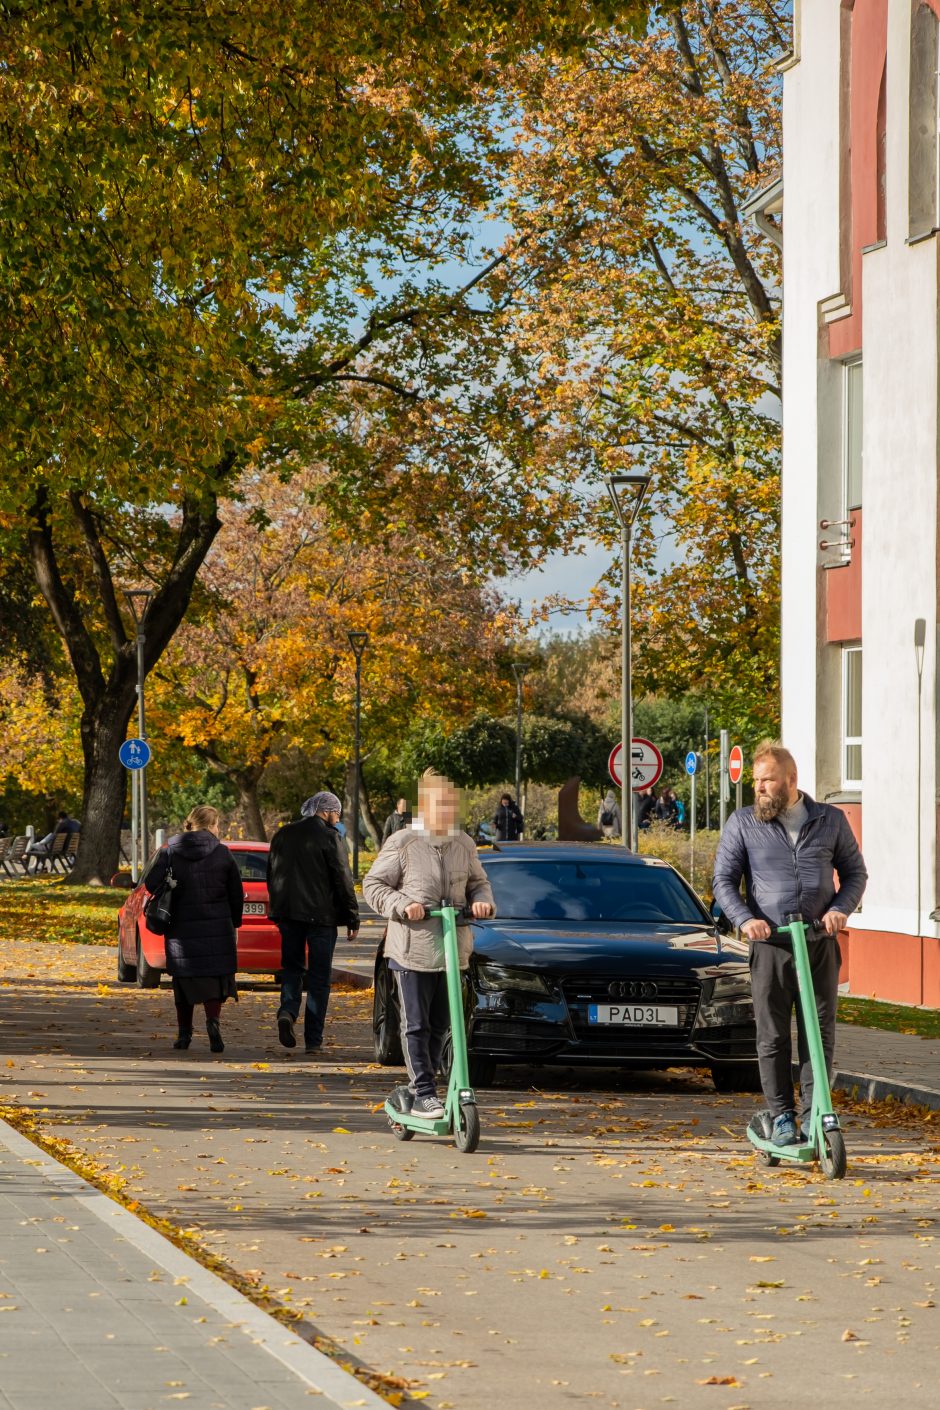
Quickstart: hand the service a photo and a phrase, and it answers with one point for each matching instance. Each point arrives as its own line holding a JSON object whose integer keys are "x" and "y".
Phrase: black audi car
{"x": 598, "y": 956}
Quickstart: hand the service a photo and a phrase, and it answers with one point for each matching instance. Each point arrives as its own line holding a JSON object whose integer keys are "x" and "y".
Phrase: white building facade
{"x": 860, "y": 576}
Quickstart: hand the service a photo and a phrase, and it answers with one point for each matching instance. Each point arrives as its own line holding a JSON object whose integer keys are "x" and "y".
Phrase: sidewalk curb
{"x": 869, "y": 1088}
{"x": 350, "y": 977}
{"x": 341, "y": 1391}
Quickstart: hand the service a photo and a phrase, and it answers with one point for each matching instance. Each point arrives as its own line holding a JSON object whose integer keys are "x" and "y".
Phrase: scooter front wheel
{"x": 467, "y": 1129}
{"x": 832, "y": 1156}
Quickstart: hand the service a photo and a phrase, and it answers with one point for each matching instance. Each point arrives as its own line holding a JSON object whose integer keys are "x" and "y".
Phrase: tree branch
{"x": 101, "y": 569}
{"x": 69, "y": 621}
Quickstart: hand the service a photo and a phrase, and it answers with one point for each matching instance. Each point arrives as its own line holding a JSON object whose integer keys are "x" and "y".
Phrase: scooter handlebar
{"x": 815, "y": 925}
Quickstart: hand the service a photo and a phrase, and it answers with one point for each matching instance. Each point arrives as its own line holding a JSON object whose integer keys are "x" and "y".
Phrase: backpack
{"x": 607, "y": 819}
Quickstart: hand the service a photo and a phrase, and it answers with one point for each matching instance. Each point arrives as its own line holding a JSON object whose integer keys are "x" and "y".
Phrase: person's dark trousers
{"x": 775, "y": 991}
{"x": 425, "y": 1021}
{"x": 306, "y": 949}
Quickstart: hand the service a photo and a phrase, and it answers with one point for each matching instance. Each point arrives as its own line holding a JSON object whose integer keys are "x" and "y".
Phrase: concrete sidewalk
{"x": 101, "y": 1312}
{"x": 878, "y": 1064}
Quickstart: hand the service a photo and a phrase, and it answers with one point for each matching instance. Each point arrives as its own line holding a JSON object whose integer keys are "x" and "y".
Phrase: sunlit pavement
{"x": 613, "y": 1240}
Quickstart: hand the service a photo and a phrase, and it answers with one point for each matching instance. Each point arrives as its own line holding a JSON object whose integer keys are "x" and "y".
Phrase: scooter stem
{"x": 822, "y": 1096}
{"x": 459, "y": 1072}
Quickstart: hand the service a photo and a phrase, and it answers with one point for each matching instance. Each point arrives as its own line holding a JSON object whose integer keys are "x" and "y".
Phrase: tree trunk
{"x": 366, "y": 815}
{"x": 251, "y": 809}
{"x": 105, "y": 788}
{"x": 373, "y": 827}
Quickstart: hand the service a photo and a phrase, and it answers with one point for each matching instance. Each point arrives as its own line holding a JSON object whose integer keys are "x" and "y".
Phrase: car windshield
{"x": 590, "y": 891}
{"x": 253, "y": 866}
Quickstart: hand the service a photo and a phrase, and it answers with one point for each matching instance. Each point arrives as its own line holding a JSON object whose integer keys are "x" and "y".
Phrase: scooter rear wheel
{"x": 832, "y": 1157}
{"x": 467, "y": 1129}
{"x": 401, "y": 1133}
{"x": 767, "y": 1158}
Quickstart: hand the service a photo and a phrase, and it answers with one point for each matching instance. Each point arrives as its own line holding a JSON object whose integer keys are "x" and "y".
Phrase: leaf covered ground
{"x": 51, "y": 908}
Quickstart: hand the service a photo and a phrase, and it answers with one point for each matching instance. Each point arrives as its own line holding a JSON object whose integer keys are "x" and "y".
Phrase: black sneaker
{"x": 428, "y": 1107}
{"x": 285, "y": 1030}
{"x": 313, "y": 1049}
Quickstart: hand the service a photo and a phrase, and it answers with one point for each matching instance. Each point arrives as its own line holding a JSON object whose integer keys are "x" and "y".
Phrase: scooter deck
{"x": 441, "y": 1127}
{"x": 805, "y": 1151}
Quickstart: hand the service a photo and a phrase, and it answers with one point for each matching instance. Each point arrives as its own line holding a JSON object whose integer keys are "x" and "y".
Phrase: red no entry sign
{"x": 646, "y": 765}
{"x": 736, "y": 764}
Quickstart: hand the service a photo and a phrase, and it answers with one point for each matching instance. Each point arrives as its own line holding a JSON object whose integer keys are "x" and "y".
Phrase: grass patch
{"x": 893, "y": 1018}
{"x": 52, "y": 909}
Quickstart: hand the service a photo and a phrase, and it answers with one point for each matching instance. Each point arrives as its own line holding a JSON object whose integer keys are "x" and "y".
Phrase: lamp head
{"x": 358, "y": 641}
{"x": 627, "y": 493}
{"x": 138, "y": 600}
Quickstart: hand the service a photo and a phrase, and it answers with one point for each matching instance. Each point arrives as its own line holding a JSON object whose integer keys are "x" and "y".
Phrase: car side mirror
{"x": 122, "y": 881}
{"x": 722, "y": 923}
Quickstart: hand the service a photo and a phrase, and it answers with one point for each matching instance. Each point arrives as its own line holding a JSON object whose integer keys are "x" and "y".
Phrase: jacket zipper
{"x": 794, "y": 848}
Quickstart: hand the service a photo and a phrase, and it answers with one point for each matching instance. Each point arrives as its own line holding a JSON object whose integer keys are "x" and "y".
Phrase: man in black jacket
{"x": 310, "y": 894}
{"x": 397, "y": 820}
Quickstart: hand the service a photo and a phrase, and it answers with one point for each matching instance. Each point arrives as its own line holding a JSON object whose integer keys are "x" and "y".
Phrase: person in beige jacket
{"x": 420, "y": 867}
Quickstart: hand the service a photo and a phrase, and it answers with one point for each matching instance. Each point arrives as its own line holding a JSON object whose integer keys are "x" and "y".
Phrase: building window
{"x": 852, "y": 436}
{"x": 852, "y": 717}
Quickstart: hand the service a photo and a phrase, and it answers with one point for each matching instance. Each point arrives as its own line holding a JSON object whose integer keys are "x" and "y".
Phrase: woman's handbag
{"x": 158, "y": 908}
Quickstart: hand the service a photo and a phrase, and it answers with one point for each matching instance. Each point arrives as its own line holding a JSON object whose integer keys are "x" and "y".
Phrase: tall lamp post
{"x": 627, "y": 493}
{"x": 519, "y": 669}
{"x": 358, "y": 641}
{"x": 138, "y": 600}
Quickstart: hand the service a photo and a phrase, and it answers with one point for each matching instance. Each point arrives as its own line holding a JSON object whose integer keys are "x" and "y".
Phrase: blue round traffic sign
{"x": 691, "y": 762}
{"x": 135, "y": 754}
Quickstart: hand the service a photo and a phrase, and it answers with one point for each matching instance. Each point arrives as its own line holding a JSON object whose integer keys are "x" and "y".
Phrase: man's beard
{"x": 767, "y": 807}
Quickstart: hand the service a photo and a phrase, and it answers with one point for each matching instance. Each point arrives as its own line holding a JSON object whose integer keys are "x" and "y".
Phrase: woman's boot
{"x": 184, "y": 1038}
{"x": 215, "y": 1035}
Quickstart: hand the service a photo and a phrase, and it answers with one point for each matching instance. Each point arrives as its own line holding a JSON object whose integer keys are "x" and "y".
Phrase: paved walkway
{"x": 898, "y": 1064}
{"x": 100, "y": 1312}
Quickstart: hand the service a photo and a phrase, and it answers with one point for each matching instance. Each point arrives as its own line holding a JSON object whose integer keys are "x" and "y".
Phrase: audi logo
{"x": 632, "y": 989}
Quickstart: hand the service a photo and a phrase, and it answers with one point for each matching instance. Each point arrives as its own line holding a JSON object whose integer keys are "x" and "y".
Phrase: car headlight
{"x": 492, "y": 978}
{"x": 729, "y": 987}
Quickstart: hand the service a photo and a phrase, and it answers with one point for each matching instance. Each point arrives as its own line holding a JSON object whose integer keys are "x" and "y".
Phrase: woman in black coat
{"x": 206, "y": 912}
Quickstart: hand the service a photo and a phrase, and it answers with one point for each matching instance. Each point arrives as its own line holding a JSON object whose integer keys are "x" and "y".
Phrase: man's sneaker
{"x": 428, "y": 1107}
{"x": 285, "y": 1030}
{"x": 313, "y": 1049}
{"x": 784, "y": 1132}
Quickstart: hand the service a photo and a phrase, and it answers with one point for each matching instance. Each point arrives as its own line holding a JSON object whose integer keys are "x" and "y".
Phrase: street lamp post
{"x": 358, "y": 641}
{"x": 138, "y": 600}
{"x": 519, "y": 669}
{"x": 627, "y": 493}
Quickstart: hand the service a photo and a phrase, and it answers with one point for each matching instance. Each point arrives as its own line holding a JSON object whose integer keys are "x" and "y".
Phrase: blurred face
{"x": 440, "y": 806}
{"x": 775, "y": 788}
{"x": 402, "y": 805}
{"x": 330, "y": 815}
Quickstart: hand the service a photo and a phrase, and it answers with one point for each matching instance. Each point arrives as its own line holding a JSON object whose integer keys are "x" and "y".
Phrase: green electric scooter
{"x": 461, "y": 1117}
{"x": 824, "y": 1142}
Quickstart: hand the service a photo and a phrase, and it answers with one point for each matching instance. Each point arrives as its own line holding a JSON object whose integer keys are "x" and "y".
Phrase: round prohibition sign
{"x": 646, "y": 765}
{"x": 736, "y": 764}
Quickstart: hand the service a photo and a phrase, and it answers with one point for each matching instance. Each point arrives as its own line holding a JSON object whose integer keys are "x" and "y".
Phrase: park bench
{"x": 14, "y": 855}
{"x": 71, "y": 851}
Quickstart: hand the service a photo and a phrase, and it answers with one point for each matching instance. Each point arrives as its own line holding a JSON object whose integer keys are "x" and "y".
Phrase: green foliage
{"x": 554, "y": 749}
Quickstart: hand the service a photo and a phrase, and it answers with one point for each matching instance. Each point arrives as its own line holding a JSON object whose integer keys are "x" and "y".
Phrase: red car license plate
{"x": 255, "y": 908}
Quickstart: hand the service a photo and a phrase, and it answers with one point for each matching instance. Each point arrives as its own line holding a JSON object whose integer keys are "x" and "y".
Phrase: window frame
{"x": 851, "y": 741}
{"x": 848, "y": 508}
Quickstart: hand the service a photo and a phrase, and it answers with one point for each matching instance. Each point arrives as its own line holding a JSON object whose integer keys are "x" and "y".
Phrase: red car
{"x": 141, "y": 954}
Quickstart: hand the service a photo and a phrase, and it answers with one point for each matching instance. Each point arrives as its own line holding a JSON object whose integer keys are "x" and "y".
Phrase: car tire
{"x": 147, "y": 976}
{"x": 386, "y": 1023}
{"x": 730, "y": 1077}
{"x": 482, "y": 1071}
{"x": 126, "y": 973}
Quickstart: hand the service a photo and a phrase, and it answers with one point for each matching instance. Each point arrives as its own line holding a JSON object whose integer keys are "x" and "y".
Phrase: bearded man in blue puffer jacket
{"x": 785, "y": 850}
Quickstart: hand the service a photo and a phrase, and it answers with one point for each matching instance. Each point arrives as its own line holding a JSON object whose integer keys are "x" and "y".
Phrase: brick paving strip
{"x": 102, "y": 1311}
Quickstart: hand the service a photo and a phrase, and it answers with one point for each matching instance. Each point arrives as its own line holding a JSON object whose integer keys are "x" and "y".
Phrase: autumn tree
{"x": 265, "y": 667}
{"x": 190, "y": 199}
{"x": 650, "y": 309}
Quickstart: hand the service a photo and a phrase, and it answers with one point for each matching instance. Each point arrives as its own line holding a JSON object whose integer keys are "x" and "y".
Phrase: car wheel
{"x": 386, "y": 1025}
{"x": 736, "y": 1077}
{"x": 126, "y": 973}
{"x": 482, "y": 1071}
{"x": 147, "y": 976}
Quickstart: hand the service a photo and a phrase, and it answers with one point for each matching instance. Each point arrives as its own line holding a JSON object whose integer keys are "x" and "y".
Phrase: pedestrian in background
{"x": 310, "y": 894}
{"x": 432, "y": 862}
{"x": 608, "y": 816}
{"x": 507, "y": 820}
{"x": 666, "y": 810}
{"x": 786, "y": 849}
{"x": 396, "y": 820}
{"x": 646, "y": 808}
{"x": 201, "y": 953}
{"x": 42, "y": 849}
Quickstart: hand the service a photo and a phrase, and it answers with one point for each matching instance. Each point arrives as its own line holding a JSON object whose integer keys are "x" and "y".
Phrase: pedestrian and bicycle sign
{"x": 135, "y": 754}
{"x": 692, "y": 763}
{"x": 646, "y": 765}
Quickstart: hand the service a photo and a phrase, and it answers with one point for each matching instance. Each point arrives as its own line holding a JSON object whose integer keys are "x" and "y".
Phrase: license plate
{"x": 635, "y": 1015}
{"x": 255, "y": 908}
